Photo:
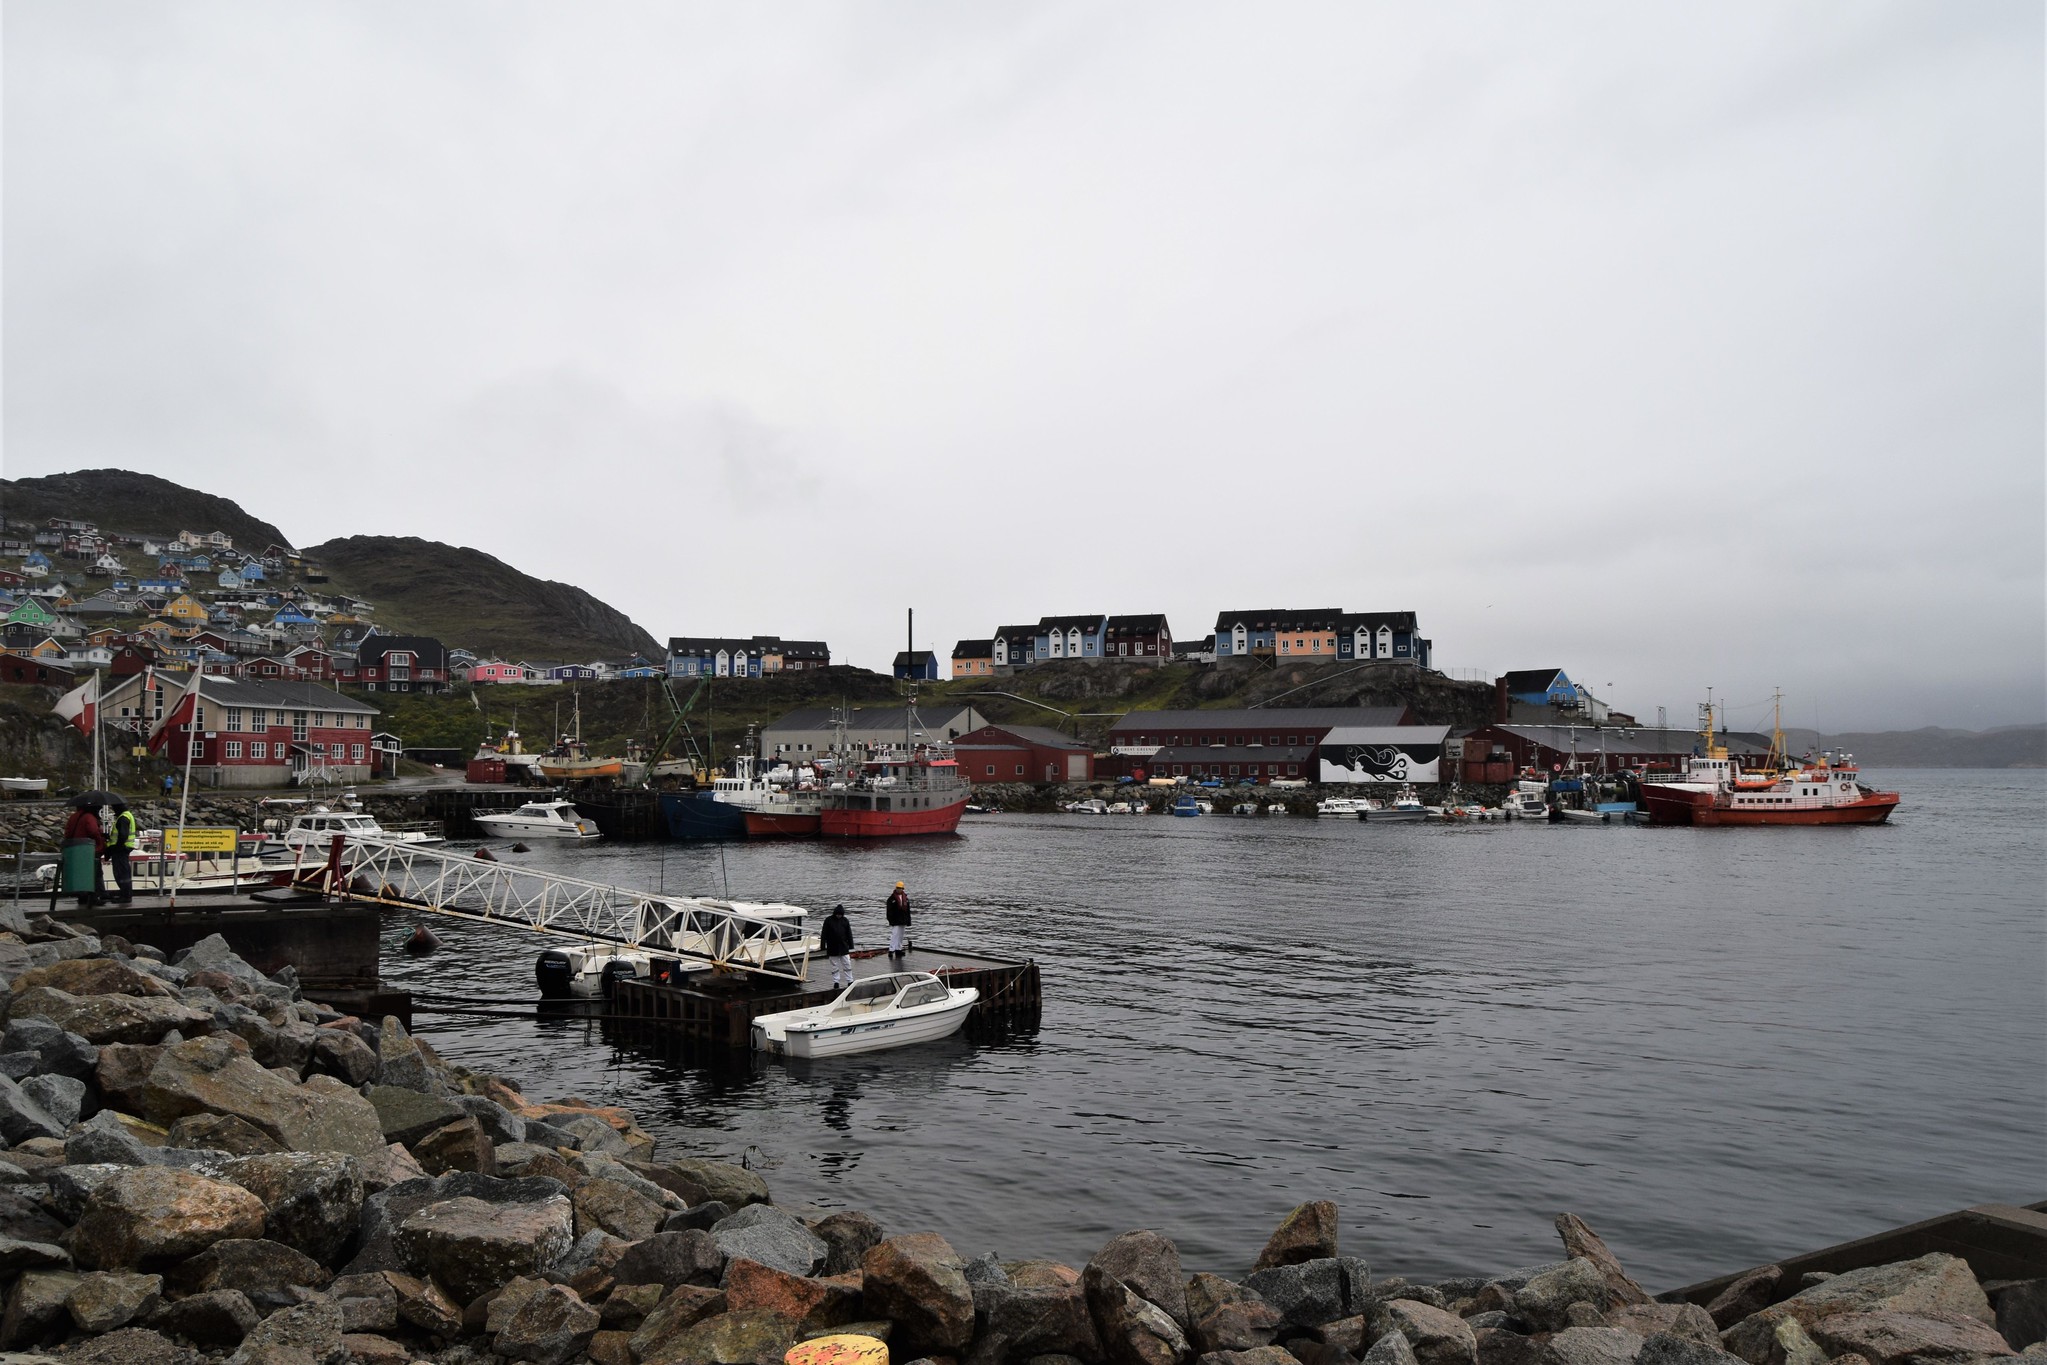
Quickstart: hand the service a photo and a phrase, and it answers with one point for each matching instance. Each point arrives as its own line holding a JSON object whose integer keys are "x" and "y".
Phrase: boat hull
{"x": 856, "y": 822}
{"x": 579, "y": 770}
{"x": 781, "y": 824}
{"x": 1673, "y": 805}
{"x": 689, "y": 815}
{"x": 531, "y": 829}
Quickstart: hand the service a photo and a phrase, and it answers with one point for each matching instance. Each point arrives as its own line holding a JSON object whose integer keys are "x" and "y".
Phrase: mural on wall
{"x": 1401, "y": 753}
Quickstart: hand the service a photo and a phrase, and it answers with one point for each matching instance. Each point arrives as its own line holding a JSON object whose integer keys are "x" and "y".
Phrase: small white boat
{"x": 1528, "y": 801}
{"x": 870, "y": 1015}
{"x": 1277, "y": 808}
{"x": 1345, "y": 807}
{"x": 538, "y": 820}
{"x": 24, "y": 786}
{"x": 1092, "y": 806}
{"x": 588, "y": 971}
{"x": 317, "y": 827}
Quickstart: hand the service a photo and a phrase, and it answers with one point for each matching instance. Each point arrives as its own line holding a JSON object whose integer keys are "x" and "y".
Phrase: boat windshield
{"x": 924, "y": 993}
{"x": 874, "y": 988}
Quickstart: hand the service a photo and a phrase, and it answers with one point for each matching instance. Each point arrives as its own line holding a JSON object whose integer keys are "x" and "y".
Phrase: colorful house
{"x": 251, "y": 733}
{"x": 186, "y": 609}
{"x": 1022, "y": 753}
{"x": 497, "y": 671}
{"x": 973, "y": 658}
{"x": 1070, "y": 637}
{"x": 920, "y": 665}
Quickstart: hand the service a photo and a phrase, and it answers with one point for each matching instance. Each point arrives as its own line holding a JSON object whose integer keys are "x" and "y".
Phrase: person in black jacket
{"x": 898, "y": 921}
{"x": 837, "y": 941}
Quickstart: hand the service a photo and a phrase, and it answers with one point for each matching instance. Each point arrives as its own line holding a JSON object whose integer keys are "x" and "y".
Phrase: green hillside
{"x": 468, "y": 598}
{"x": 124, "y": 502}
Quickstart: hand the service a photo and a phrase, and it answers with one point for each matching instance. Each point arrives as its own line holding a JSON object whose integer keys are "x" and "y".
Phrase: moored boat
{"x": 24, "y": 786}
{"x": 871, "y": 1015}
{"x": 1713, "y": 790}
{"x": 539, "y": 820}
{"x": 318, "y": 826}
{"x": 921, "y": 792}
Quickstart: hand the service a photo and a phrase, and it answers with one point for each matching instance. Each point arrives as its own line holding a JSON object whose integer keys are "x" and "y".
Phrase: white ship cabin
{"x": 1719, "y": 771}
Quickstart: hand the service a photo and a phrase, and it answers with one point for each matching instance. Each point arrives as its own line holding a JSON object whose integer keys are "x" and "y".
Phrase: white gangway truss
{"x": 767, "y": 939}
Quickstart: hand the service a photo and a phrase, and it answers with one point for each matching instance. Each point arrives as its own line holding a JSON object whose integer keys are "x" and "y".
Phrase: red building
{"x": 20, "y": 668}
{"x": 1138, "y": 637}
{"x": 1022, "y": 753}
{"x": 249, "y": 733}
{"x": 396, "y": 663}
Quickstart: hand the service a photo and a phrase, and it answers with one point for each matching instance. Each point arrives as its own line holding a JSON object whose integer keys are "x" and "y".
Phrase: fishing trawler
{"x": 570, "y": 760}
{"x": 920, "y": 792}
{"x": 1713, "y": 790}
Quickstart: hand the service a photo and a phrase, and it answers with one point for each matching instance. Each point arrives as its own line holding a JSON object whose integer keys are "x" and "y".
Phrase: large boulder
{"x": 1582, "y": 1243}
{"x": 659, "y": 1336}
{"x": 1225, "y": 1316}
{"x": 92, "y": 976}
{"x": 1438, "y": 1337}
{"x": 314, "y": 1199}
{"x": 1015, "y": 1323}
{"x": 691, "y": 1256}
{"x": 811, "y": 1303}
{"x": 1133, "y": 1330}
{"x": 22, "y": 1117}
{"x": 1888, "y": 1337}
{"x": 551, "y": 1327}
{"x": 918, "y": 1282}
{"x": 616, "y": 1208}
{"x": 750, "y": 1338}
{"x": 57, "y": 1051}
{"x": 1750, "y": 1293}
{"x": 103, "y": 1019}
{"x": 1148, "y": 1264}
{"x": 36, "y": 1306}
{"x": 63, "y": 1098}
{"x": 472, "y": 1247}
{"x": 1544, "y": 1302}
{"x": 407, "y": 1062}
{"x": 270, "y": 1273}
{"x": 771, "y": 1236}
{"x": 1311, "y": 1293}
{"x": 1935, "y": 1284}
{"x": 1593, "y": 1346}
{"x": 217, "y": 1076}
{"x": 149, "y": 1215}
{"x": 848, "y": 1236}
{"x": 312, "y": 1328}
{"x": 216, "y": 1320}
{"x": 699, "y": 1181}
{"x": 1306, "y": 1234}
{"x": 406, "y": 1115}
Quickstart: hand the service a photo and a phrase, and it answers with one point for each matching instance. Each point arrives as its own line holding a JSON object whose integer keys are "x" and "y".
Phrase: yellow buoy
{"x": 843, "y": 1349}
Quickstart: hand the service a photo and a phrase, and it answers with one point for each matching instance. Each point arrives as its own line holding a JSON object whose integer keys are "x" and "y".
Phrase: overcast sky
{"x": 1675, "y": 345}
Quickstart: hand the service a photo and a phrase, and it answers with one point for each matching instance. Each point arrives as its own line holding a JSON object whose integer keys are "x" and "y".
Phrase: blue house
{"x": 918, "y": 664}
{"x": 572, "y": 673}
{"x": 1541, "y": 687}
{"x": 1070, "y": 637}
{"x": 1015, "y": 646}
{"x": 1238, "y": 633}
{"x": 1391, "y": 635}
{"x": 230, "y": 579}
{"x": 252, "y": 572}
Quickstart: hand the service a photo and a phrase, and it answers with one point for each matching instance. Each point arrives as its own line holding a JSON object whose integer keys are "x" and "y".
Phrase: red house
{"x": 1022, "y": 753}
{"x": 1138, "y": 637}
{"x": 250, "y": 733}
{"x": 399, "y": 663}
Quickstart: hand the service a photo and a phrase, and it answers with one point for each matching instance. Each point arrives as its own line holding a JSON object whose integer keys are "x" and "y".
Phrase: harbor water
{"x": 1718, "y": 1046}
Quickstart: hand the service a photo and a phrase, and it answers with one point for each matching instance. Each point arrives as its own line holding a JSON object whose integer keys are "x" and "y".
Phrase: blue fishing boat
{"x": 1187, "y": 805}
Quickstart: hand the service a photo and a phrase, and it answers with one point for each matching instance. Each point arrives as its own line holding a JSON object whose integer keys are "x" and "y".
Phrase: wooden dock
{"x": 720, "y": 1008}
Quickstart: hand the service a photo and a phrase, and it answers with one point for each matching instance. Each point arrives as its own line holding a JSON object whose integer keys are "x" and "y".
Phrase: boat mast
{"x": 1778, "y": 754}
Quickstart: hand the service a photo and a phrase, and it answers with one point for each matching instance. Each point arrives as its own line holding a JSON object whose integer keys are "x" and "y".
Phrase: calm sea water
{"x": 1718, "y": 1046}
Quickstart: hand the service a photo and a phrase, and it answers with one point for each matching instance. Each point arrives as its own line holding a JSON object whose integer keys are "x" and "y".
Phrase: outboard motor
{"x": 616, "y": 969}
{"x": 555, "y": 974}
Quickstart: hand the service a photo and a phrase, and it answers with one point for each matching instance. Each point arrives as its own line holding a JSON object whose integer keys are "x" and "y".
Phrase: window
{"x": 234, "y": 727}
{"x": 1019, "y": 770}
{"x": 233, "y": 748}
{"x": 1292, "y": 768}
{"x": 1233, "y": 770}
{"x": 1292, "y": 740}
{"x": 298, "y": 726}
{"x": 358, "y": 752}
{"x": 260, "y": 749}
{"x": 991, "y": 770}
{"x": 195, "y": 747}
{"x": 1272, "y": 740}
{"x": 1179, "y": 770}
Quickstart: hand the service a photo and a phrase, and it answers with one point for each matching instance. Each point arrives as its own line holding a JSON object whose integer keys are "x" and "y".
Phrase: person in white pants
{"x": 836, "y": 938}
{"x": 898, "y": 921}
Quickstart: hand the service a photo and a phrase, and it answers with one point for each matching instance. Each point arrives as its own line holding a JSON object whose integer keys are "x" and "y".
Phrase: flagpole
{"x": 185, "y": 796}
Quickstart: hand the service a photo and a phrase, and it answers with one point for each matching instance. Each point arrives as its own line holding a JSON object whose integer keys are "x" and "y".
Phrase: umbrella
{"x": 92, "y": 800}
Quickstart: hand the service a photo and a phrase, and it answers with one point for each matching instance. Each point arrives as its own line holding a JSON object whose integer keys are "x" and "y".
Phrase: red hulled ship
{"x": 918, "y": 793}
{"x": 1713, "y": 790}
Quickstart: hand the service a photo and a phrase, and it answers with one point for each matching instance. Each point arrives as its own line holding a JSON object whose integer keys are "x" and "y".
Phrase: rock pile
{"x": 199, "y": 1163}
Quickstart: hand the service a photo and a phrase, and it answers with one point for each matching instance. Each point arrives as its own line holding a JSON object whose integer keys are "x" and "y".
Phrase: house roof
{"x": 1299, "y": 717}
{"x": 1532, "y": 679}
{"x": 990, "y": 736}
{"x": 973, "y": 649}
{"x": 1278, "y": 618}
{"x": 1622, "y": 741}
{"x": 377, "y": 644}
{"x": 912, "y": 658}
{"x": 1013, "y": 633}
{"x": 1090, "y": 620}
{"x": 295, "y": 696}
{"x": 1373, "y": 620}
{"x": 1386, "y": 734}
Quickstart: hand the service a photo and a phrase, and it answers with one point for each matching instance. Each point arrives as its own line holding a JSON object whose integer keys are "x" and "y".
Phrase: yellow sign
{"x": 844, "y": 1349}
{"x": 199, "y": 839}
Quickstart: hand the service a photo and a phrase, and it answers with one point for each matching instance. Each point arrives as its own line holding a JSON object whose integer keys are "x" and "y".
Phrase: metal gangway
{"x": 746, "y": 936}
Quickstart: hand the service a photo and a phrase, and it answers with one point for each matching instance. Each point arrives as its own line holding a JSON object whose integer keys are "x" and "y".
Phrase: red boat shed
{"x": 1022, "y": 753}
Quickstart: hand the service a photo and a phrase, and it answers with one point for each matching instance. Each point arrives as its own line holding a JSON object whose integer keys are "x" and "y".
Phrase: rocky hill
{"x": 2011, "y": 746}
{"x": 122, "y": 501}
{"x": 466, "y": 597}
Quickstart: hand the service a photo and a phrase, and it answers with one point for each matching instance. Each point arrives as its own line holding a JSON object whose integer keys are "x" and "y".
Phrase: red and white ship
{"x": 1713, "y": 790}
{"x": 920, "y": 792}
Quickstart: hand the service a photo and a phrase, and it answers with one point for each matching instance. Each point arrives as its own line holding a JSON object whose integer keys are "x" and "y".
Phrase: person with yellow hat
{"x": 898, "y": 921}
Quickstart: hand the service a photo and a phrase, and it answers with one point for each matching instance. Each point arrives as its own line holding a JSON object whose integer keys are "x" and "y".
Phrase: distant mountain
{"x": 2012, "y": 746}
{"x": 119, "y": 500}
{"x": 468, "y": 598}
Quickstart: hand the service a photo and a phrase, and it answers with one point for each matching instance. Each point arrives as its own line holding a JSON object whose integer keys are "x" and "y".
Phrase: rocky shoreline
{"x": 200, "y": 1164}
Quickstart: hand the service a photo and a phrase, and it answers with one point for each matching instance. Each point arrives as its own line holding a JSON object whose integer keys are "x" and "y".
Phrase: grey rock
{"x": 1665, "y": 1348}
{"x": 22, "y": 1118}
{"x": 542, "y": 1133}
{"x": 269, "y": 1273}
{"x": 1478, "y": 1322}
{"x": 773, "y": 1237}
{"x": 58, "y": 1052}
{"x": 130, "y": 1346}
{"x": 1390, "y": 1349}
{"x": 221, "y": 1133}
{"x": 599, "y": 1166}
{"x": 313, "y": 1199}
{"x": 594, "y": 1249}
{"x": 1133, "y": 1330}
{"x": 982, "y": 1270}
{"x": 1438, "y": 1337}
{"x": 1748, "y": 1294}
{"x": 499, "y": 1123}
{"x": 1544, "y": 1302}
{"x": 472, "y": 1247}
{"x": 17, "y": 1255}
{"x": 70, "y": 1186}
{"x": 617, "y": 1209}
{"x": 1014, "y": 1324}
{"x": 1594, "y": 1346}
{"x": 1311, "y": 1293}
{"x": 848, "y": 1235}
{"x": 19, "y": 1066}
{"x": 709, "y": 1215}
{"x": 24, "y": 1214}
{"x": 551, "y": 1327}
{"x": 689, "y": 1256}
{"x": 216, "y": 1320}
{"x": 313, "y": 1328}
{"x": 2021, "y": 1308}
{"x": 345, "y": 1056}
{"x": 406, "y": 1115}
{"x": 593, "y": 1134}
{"x": 36, "y": 1307}
{"x": 404, "y": 1063}
{"x": 1148, "y": 1264}
{"x": 699, "y": 1181}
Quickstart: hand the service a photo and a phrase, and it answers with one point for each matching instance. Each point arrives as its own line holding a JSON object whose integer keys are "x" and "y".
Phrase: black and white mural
{"x": 1396, "y": 753}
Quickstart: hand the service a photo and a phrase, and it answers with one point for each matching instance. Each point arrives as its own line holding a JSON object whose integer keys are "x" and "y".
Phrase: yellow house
{"x": 47, "y": 648}
{"x": 184, "y": 607}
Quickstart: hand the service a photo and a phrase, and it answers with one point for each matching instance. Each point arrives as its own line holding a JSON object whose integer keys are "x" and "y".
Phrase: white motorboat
{"x": 1405, "y": 806}
{"x": 538, "y": 820}
{"x": 1092, "y": 806}
{"x": 587, "y": 971}
{"x": 1244, "y": 808}
{"x": 317, "y": 827}
{"x": 1277, "y": 808}
{"x": 24, "y": 786}
{"x": 871, "y": 1015}
{"x": 1346, "y": 807}
{"x": 1528, "y": 801}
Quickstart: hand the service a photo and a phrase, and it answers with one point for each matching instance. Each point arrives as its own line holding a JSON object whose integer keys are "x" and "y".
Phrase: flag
{"x": 81, "y": 704}
{"x": 177, "y": 714}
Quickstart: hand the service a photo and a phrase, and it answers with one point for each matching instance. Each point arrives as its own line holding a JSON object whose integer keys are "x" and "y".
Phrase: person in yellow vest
{"x": 120, "y": 844}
